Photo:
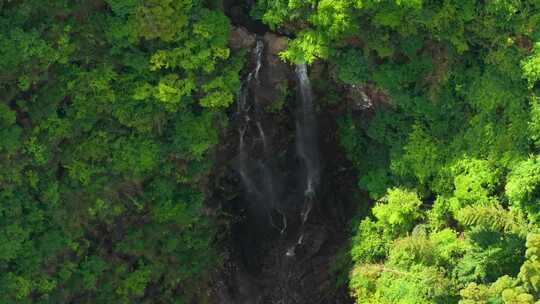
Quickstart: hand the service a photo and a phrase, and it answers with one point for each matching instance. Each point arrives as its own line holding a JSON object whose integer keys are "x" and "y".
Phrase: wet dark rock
{"x": 256, "y": 269}
{"x": 238, "y": 12}
{"x": 275, "y": 74}
{"x": 366, "y": 97}
{"x": 241, "y": 38}
{"x": 359, "y": 99}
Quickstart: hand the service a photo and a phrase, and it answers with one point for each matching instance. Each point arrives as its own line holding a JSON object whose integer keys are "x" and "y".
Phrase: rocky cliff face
{"x": 258, "y": 237}
{"x": 276, "y": 75}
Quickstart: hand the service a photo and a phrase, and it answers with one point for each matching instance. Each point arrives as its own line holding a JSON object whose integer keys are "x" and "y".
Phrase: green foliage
{"x": 475, "y": 180}
{"x": 309, "y": 46}
{"x": 370, "y": 242}
{"x": 10, "y": 132}
{"x": 520, "y": 289}
{"x": 522, "y": 187}
{"x": 352, "y": 67}
{"x": 494, "y": 217}
{"x": 381, "y": 284}
{"x": 194, "y": 135}
{"x": 435, "y": 262}
{"x": 460, "y": 116}
{"x": 456, "y": 120}
{"x": 421, "y": 157}
{"x": 413, "y": 272}
{"x": 530, "y": 270}
{"x": 398, "y": 211}
{"x": 531, "y": 66}
{"x": 108, "y": 112}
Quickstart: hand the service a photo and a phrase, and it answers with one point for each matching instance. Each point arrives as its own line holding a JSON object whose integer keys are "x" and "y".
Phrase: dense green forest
{"x": 108, "y": 111}
{"x": 452, "y": 159}
{"x": 112, "y": 111}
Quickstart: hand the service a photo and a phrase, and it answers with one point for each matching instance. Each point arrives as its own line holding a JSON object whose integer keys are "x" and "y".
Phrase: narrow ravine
{"x": 286, "y": 228}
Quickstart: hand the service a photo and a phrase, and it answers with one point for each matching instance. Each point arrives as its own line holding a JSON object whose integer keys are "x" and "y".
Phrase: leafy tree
{"x": 522, "y": 185}
{"x": 398, "y": 210}
{"x": 109, "y": 112}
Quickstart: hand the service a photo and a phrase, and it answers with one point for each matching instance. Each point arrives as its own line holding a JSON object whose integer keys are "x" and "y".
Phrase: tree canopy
{"x": 450, "y": 158}
{"x": 109, "y": 111}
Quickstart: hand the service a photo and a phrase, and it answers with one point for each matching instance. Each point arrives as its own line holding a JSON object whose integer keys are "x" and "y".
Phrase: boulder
{"x": 360, "y": 100}
{"x": 241, "y": 38}
{"x": 275, "y": 44}
{"x": 366, "y": 97}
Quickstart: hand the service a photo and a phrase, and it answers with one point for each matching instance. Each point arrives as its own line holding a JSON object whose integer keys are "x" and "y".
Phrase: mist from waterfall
{"x": 255, "y": 156}
{"x": 307, "y": 133}
{"x": 244, "y": 117}
{"x": 307, "y": 146}
{"x": 254, "y": 152}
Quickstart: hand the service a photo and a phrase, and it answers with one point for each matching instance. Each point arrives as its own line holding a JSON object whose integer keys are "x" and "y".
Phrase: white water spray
{"x": 254, "y": 169}
{"x": 307, "y": 147}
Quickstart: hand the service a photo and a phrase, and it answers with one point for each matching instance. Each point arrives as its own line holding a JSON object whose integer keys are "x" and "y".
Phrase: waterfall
{"x": 254, "y": 168}
{"x": 306, "y": 132}
{"x": 307, "y": 147}
{"x": 255, "y": 154}
{"x": 243, "y": 112}
{"x": 259, "y": 48}
{"x": 263, "y": 138}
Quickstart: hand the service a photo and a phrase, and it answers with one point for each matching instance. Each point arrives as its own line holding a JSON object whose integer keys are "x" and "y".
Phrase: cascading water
{"x": 306, "y": 132}
{"x": 254, "y": 152}
{"x": 243, "y": 113}
{"x": 255, "y": 172}
{"x": 284, "y": 232}
{"x": 307, "y": 146}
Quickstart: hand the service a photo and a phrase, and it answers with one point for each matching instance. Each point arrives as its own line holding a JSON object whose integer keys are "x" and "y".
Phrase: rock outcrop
{"x": 241, "y": 38}
{"x": 275, "y": 74}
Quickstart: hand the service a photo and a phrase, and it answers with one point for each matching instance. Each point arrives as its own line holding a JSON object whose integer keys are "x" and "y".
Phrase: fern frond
{"x": 495, "y": 217}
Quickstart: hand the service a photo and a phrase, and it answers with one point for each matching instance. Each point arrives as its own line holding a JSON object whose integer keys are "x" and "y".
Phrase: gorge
{"x": 283, "y": 251}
